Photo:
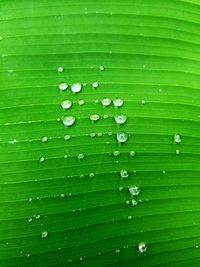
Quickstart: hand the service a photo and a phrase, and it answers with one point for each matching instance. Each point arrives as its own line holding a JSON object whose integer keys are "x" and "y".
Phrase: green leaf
{"x": 82, "y": 185}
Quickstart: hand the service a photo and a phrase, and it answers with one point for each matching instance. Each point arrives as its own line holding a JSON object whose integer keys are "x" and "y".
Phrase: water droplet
{"x": 134, "y": 191}
{"x": 62, "y": 195}
{"x": 95, "y": 84}
{"x": 124, "y": 174}
{"x": 177, "y": 138}
{"x": 117, "y": 250}
{"x": 99, "y": 134}
{"x": 69, "y": 121}
{"x": 106, "y": 102}
{"x": 142, "y": 247}
{"x": 76, "y": 87}
{"x": 143, "y": 102}
{"x": 130, "y": 217}
{"x": 42, "y": 159}
{"x": 110, "y": 133}
{"x": 120, "y": 188}
{"x": 118, "y": 102}
{"x": 132, "y": 154}
{"x": 37, "y": 216}
{"x": 177, "y": 151}
{"x": 102, "y": 68}
{"x": 45, "y": 234}
{"x": 122, "y": 137}
{"x": 105, "y": 116}
{"x": 116, "y": 153}
{"x": 44, "y": 139}
{"x": 1, "y": 38}
{"x": 81, "y": 156}
{"x": 94, "y": 117}
{"x": 67, "y": 137}
{"x": 81, "y": 102}
{"x": 91, "y": 175}
{"x": 134, "y": 202}
{"x": 28, "y": 255}
{"x": 66, "y": 104}
{"x": 92, "y": 134}
{"x": 30, "y": 220}
{"x": 120, "y": 119}
{"x": 60, "y": 69}
{"x": 63, "y": 86}
{"x": 14, "y": 141}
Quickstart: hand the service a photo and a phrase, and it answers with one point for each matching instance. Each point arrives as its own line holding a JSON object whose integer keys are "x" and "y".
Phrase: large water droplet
{"x": 142, "y": 247}
{"x": 69, "y": 121}
{"x": 106, "y": 102}
{"x": 134, "y": 191}
{"x": 124, "y": 174}
{"x": 63, "y": 86}
{"x": 66, "y": 104}
{"x": 118, "y": 102}
{"x": 177, "y": 138}
{"x": 122, "y": 137}
{"x": 120, "y": 119}
{"x": 94, "y": 117}
{"x": 76, "y": 87}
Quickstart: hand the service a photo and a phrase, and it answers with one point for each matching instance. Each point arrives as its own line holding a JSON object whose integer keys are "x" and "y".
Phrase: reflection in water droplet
{"x": 106, "y": 102}
{"x": 118, "y": 102}
{"x": 63, "y": 86}
{"x": 76, "y": 87}
{"x": 66, "y": 104}
{"x": 69, "y": 121}
{"x": 94, "y": 117}
{"x": 134, "y": 191}
{"x": 142, "y": 247}
{"x": 124, "y": 174}
{"x": 122, "y": 137}
{"x": 120, "y": 119}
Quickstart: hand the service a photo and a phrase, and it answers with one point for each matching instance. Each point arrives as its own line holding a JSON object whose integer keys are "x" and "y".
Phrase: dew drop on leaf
{"x": 120, "y": 119}
{"x": 67, "y": 137}
{"x": 76, "y": 87}
{"x": 102, "y": 68}
{"x": 42, "y": 159}
{"x": 95, "y": 84}
{"x": 177, "y": 138}
{"x": 122, "y": 137}
{"x": 69, "y": 120}
{"x": 124, "y": 174}
{"x": 134, "y": 190}
{"x": 142, "y": 247}
{"x": 134, "y": 202}
{"x": 60, "y": 69}
{"x": 177, "y": 151}
{"x": 63, "y": 86}
{"x": 44, "y": 139}
{"x": 116, "y": 153}
{"x": 44, "y": 234}
{"x": 106, "y": 102}
{"x": 118, "y": 102}
{"x": 132, "y": 154}
{"x": 94, "y": 117}
{"x": 81, "y": 102}
{"x": 66, "y": 104}
{"x": 81, "y": 156}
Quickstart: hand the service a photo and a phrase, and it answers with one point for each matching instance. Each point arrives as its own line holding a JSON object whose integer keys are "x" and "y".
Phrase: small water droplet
{"x": 178, "y": 151}
{"x": 106, "y": 102}
{"x": 143, "y": 102}
{"x": 30, "y": 220}
{"x": 76, "y": 87}
{"x": 67, "y": 137}
{"x": 28, "y": 255}
{"x": 130, "y": 217}
{"x": 134, "y": 191}
{"x": 63, "y": 86}
{"x": 81, "y": 102}
{"x": 94, "y": 117}
{"x": 37, "y": 216}
{"x": 134, "y": 202}
{"x": 105, "y": 116}
{"x": 66, "y": 104}
{"x": 91, "y": 175}
{"x": 42, "y": 159}
{"x": 124, "y": 174}
{"x": 116, "y": 153}
{"x": 132, "y": 154}
{"x": 69, "y": 121}
{"x": 81, "y": 156}
{"x": 44, "y": 234}
{"x": 62, "y": 195}
{"x": 120, "y": 119}
{"x": 99, "y": 134}
{"x": 1, "y": 38}
{"x": 117, "y": 250}
{"x": 92, "y": 134}
{"x": 142, "y": 247}
{"x": 102, "y": 68}
{"x": 60, "y": 69}
{"x": 118, "y": 102}
{"x": 44, "y": 139}
{"x": 95, "y": 84}
{"x": 177, "y": 138}
{"x": 122, "y": 137}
